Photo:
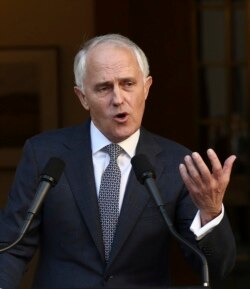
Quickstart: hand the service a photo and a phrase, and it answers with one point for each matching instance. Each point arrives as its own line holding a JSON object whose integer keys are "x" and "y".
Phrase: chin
{"x": 122, "y": 137}
{"x": 120, "y": 133}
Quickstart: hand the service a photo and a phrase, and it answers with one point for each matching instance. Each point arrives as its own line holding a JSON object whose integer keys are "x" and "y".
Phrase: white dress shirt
{"x": 101, "y": 161}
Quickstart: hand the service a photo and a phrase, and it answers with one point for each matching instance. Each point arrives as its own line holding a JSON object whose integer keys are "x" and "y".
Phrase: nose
{"x": 117, "y": 95}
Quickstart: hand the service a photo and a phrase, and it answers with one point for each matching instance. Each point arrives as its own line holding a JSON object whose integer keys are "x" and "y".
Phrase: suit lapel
{"x": 80, "y": 174}
{"x": 136, "y": 196}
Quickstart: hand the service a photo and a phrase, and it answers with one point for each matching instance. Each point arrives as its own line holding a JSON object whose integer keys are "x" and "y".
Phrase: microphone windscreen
{"x": 54, "y": 168}
{"x": 142, "y": 167}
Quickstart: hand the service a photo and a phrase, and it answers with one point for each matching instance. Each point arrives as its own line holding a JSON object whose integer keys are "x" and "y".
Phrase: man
{"x": 112, "y": 83}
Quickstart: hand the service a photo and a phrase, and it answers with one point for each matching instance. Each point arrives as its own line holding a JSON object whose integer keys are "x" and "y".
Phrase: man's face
{"x": 115, "y": 91}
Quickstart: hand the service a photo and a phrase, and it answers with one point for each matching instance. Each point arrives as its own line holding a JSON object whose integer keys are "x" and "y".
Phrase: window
{"x": 222, "y": 80}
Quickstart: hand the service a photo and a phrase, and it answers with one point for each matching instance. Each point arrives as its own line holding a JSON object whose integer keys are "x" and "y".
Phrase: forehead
{"x": 111, "y": 58}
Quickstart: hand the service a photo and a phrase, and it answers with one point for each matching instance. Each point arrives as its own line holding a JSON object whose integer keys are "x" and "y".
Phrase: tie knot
{"x": 114, "y": 150}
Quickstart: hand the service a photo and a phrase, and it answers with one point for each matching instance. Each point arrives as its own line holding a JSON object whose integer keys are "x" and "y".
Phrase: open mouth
{"x": 121, "y": 116}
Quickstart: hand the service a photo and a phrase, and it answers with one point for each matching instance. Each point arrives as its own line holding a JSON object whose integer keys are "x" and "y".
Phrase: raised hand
{"x": 207, "y": 189}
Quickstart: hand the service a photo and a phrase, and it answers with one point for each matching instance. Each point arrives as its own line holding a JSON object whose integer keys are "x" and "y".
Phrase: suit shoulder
{"x": 56, "y": 136}
{"x": 170, "y": 146}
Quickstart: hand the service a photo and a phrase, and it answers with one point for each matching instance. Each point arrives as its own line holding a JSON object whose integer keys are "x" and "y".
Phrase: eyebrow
{"x": 100, "y": 84}
{"x": 110, "y": 83}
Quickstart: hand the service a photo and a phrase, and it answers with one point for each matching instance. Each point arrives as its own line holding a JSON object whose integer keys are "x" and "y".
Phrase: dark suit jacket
{"x": 68, "y": 229}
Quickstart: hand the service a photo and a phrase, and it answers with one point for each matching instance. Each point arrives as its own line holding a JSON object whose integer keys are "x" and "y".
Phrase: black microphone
{"x": 49, "y": 178}
{"x": 146, "y": 176}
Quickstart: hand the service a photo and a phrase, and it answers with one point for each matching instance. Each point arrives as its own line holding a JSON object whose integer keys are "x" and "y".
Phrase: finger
{"x": 184, "y": 173}
{"x": 215, "y": 162}
{"x": 192, "y": 169}
{"x": 186, "y": 178}
{"x": 202, "y": 167}
{"x": 228, "y": 165}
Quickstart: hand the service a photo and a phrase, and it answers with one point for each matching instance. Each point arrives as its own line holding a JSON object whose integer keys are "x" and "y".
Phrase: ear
{"x": 82, "y": 97}
{"x": 147, "y": 84}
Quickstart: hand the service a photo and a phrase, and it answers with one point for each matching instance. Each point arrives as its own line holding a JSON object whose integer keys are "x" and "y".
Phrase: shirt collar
{"x": 98, "y": 141}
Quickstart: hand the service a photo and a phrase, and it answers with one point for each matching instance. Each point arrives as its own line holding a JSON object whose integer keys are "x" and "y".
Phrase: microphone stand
{"x": 49, "y": 178}
{"x": 150, "y": 184}
{"x": 24, "y": 229}
{"x": 33, "y": 210}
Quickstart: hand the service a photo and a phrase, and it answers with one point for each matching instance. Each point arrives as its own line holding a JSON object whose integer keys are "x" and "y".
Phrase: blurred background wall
{"x": 199, "y": 60}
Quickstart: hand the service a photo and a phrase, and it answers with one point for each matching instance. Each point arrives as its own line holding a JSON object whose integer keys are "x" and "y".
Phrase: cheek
{"x": 138, "y": 110}
{"x": 140, "y": 104}
{"x": 98, "y": 108}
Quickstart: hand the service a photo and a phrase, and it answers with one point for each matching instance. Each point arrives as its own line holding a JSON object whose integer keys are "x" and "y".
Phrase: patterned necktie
{"x": 109, "y": 197}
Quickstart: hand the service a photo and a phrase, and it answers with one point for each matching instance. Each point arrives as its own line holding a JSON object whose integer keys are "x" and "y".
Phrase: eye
{"x": 102, "y": 88}
{"x": 128, "y": 83}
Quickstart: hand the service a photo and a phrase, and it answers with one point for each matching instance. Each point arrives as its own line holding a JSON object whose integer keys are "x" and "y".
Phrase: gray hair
{"x": 81, "y": 56}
